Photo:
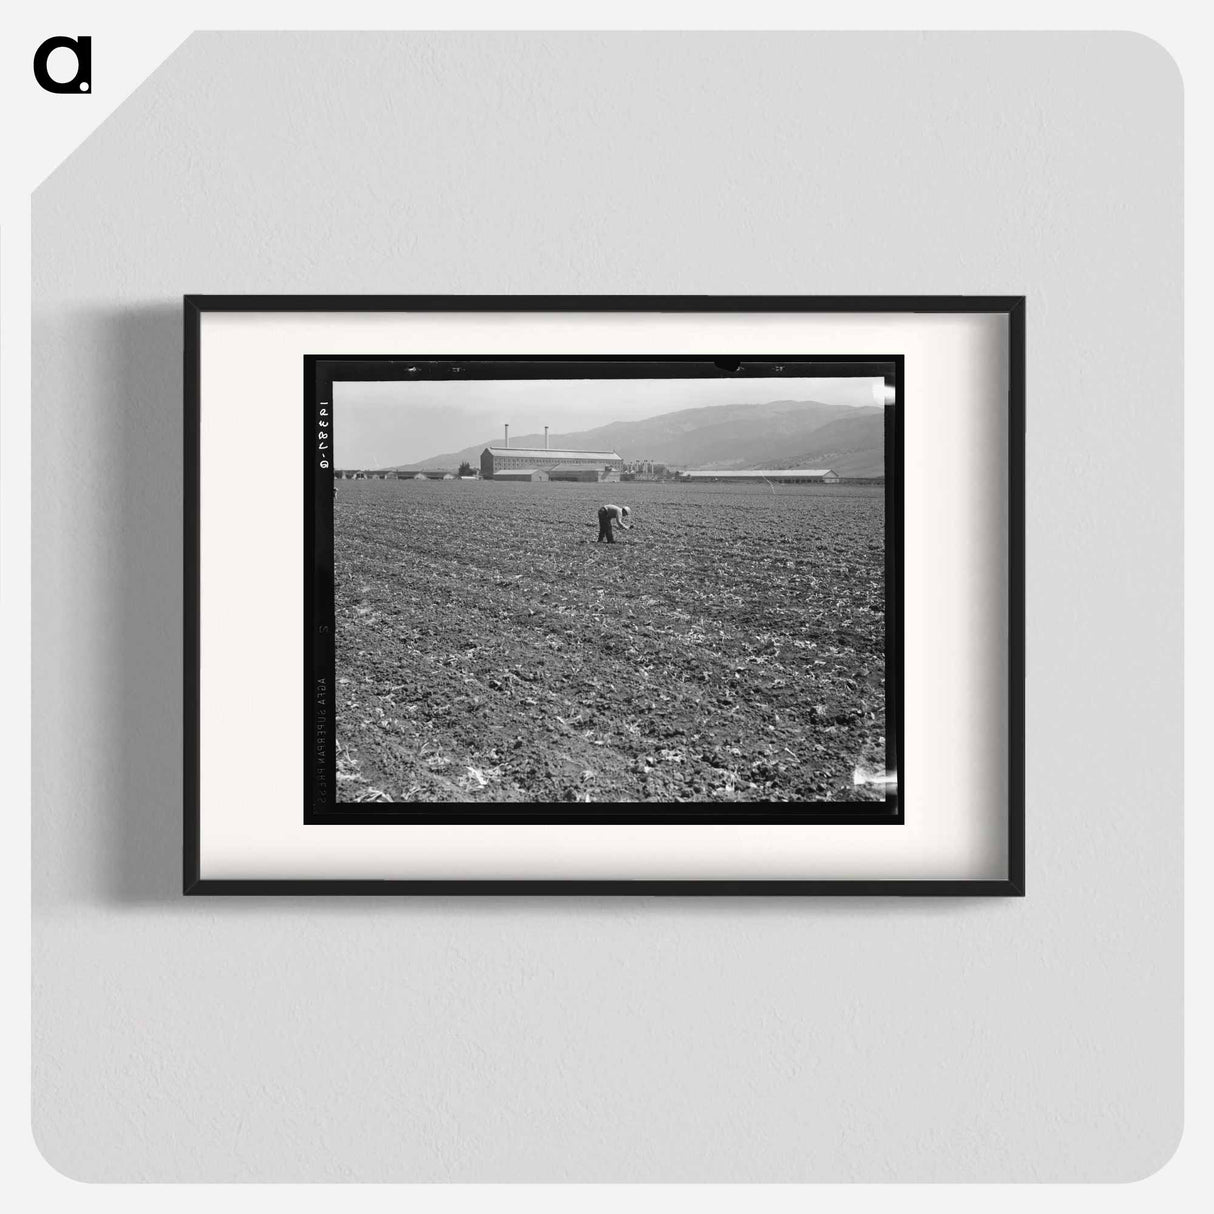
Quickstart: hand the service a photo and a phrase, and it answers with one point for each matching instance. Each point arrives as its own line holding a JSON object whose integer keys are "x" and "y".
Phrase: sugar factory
{"x": 507, "y": 463}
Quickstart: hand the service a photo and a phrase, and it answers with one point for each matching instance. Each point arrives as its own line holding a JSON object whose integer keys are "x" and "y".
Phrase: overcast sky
{"x": 382, "y": 423}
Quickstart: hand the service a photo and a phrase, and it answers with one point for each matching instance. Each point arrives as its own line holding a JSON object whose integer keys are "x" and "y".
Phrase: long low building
{"x": 395, "y": 474}
{"x": 785, "y": 476}
{"x": 520, "y": 474}
{"x": 583, "y": 472}
{"x": 496, "y": 460}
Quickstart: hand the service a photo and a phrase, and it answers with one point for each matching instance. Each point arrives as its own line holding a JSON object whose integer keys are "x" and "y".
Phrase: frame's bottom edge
{"x": 1004, "y": 888}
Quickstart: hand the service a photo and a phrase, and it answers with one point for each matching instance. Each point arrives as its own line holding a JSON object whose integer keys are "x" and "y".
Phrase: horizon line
{"x": 640, "y": 421}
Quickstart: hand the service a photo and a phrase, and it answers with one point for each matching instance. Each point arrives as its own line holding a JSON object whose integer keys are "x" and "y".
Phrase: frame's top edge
{"x": 604, "y": 303}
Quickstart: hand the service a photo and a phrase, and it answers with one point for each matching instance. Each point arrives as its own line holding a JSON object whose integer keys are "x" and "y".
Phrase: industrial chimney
{"x": 507, "y": 434}
{"x": 545, "y": 438}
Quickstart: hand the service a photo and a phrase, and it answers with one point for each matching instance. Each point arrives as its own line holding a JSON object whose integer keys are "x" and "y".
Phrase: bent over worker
{"x": 609, "y": 514}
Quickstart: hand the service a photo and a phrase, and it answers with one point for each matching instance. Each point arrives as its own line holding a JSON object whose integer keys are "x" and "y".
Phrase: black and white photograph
{"x": 612, "y": 581}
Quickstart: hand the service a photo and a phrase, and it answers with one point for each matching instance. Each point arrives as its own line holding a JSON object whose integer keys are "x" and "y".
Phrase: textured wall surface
{"x": 633, "y": 1039}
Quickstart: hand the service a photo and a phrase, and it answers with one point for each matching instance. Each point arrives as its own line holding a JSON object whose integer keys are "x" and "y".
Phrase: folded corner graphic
{"x": 65, "y": 83}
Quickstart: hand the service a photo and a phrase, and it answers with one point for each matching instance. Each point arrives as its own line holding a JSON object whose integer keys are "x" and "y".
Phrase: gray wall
{"x": 631, "y": 1039}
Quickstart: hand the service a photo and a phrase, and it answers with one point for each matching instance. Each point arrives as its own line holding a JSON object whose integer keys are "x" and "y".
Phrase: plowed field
{"x": 730, "y": 647}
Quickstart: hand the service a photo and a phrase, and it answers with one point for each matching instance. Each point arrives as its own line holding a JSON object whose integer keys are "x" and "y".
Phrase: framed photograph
{"x": 604, "y": 595}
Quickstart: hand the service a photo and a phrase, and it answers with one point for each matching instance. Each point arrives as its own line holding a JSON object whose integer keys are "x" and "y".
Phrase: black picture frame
{"x": 1011, "y": 307}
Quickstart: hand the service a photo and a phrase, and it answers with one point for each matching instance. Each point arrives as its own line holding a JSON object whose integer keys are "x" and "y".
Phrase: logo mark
{"x": 82, "y": 81}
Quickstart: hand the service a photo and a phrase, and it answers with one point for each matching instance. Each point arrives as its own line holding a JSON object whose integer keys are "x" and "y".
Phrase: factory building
{"x": 784, "y": 476}
{"x": 588, "y": 473}
{"x": 520, "y": 474}
{"x": 573, "y": 465}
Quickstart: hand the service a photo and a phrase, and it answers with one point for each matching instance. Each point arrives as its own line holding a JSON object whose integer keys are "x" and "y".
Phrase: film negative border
{"x": 320, "y": 715}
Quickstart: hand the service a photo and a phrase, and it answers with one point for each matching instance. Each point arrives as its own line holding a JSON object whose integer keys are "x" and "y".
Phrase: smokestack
{"x": 507, "y": 434}
{"x": 545, "y": 438}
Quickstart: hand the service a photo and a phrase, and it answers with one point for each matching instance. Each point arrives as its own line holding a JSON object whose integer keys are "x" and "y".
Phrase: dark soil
{"x": 730, "y": 647}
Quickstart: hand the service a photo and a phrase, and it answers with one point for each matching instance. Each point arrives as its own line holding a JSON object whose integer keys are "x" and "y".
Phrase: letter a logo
{"x": 82, "y": 81}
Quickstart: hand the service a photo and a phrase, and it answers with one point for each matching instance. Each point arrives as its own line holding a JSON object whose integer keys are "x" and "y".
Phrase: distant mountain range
{"x": 780, "y": 434}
